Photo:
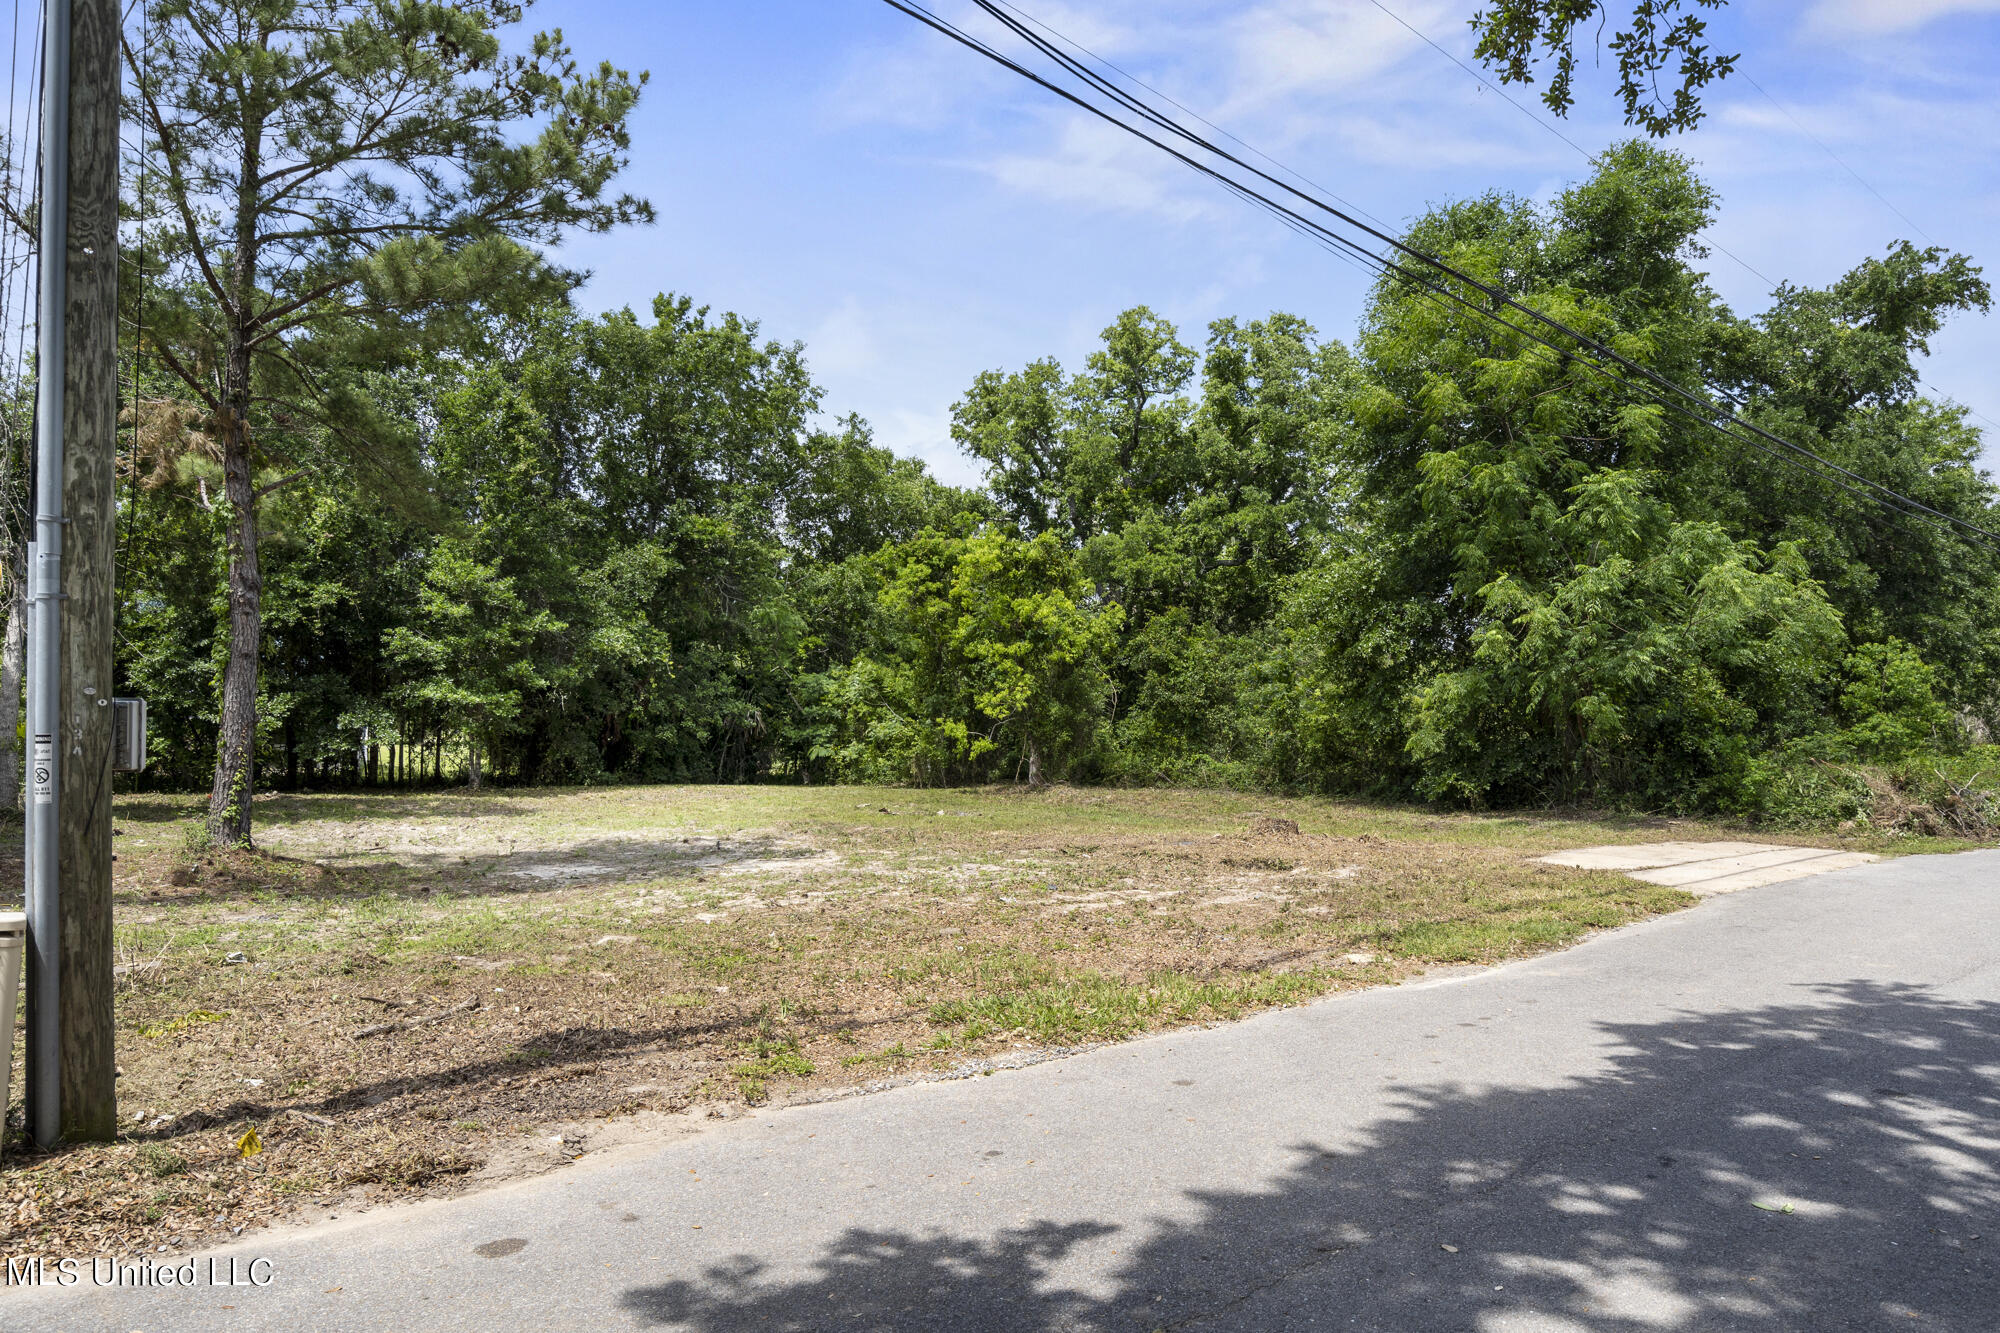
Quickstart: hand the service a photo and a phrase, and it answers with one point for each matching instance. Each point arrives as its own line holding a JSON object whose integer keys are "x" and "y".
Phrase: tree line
{"x": 1442, "y": 561}
{"x": 395, "y": 510}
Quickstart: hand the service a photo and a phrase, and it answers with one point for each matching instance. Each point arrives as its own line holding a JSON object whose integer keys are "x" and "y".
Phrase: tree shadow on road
{"x": 1831, "y": 1164}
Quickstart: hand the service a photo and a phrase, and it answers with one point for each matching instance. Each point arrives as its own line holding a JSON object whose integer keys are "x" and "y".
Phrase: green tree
{"x": 1834, "y": 369}
{"x": 1516, "y": 35}
{"x": 658, "y": 489}
{"x": 1550, "y": 591}
{"x": 990, "y": 647}
{"x": 340, "y": 182}
{"x": 1189, "y": 511}
{"x": 468, "y": 653}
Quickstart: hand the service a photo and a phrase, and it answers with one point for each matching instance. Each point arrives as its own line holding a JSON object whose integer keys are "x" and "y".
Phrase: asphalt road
{"x": 1777, "y": 1111}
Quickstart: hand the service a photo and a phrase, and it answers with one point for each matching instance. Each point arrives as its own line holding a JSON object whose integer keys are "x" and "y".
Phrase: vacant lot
{"x": 410, "y": 992}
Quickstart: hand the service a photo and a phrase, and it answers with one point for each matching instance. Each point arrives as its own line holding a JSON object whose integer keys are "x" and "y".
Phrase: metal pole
{"x": 44, "y": 589}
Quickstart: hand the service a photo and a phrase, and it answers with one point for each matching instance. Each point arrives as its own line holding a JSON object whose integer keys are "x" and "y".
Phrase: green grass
{"x": 770, "y": 1057}
{"x": 1090, "y": 1007}
{"x": 159, "y": 1161}
{"x": 552, "y": 816}
{"x": 888, "y": 1055}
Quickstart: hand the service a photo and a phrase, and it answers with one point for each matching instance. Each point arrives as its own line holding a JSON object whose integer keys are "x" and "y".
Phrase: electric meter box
{"x": 128, "y": 735}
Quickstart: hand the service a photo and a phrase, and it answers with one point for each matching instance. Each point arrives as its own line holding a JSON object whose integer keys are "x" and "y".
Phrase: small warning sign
{"x": 42, "y": 777}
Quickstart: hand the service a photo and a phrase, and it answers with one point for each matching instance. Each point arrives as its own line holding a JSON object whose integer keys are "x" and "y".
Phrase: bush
{"x": 1927, "y": 793}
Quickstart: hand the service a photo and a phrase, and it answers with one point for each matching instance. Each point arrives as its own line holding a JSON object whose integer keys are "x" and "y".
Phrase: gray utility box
{"x": 128, "y": 735}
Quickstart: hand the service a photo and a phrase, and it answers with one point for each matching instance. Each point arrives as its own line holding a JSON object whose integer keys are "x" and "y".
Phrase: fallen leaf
{"x": 249, "y": 1145}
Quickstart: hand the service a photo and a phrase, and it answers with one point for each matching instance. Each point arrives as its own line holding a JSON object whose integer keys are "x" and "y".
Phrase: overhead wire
{"x": 1709, "y": 240}
{"x": 1799, "y": 125}
{"x": 1894, "y": 500}
{"x": 1665, "y": 392}
{"x": 1192, "y": 114}
{"x": 1724, "y": 250}
{"x": 1527, "y": 111}
{"x": 1888, "y": 497}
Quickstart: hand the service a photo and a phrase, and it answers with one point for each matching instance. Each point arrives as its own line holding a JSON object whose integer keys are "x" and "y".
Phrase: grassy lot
{"x": 401, "y": 993}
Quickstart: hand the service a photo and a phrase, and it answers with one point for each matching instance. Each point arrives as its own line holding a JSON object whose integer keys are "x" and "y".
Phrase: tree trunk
{"x": 12, "y": 658}
{"x": 229, "y": 798}
{"x": 472, "y": 762}
{"x": 236, "y": 745}
{"x": 1034, "y": 762}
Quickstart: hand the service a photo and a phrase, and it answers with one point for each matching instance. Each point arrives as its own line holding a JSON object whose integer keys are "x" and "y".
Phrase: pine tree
{"x": 342, "y": 183}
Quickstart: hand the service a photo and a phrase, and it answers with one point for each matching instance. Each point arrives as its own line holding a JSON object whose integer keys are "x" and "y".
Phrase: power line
{"x": 1710, "y": 240}
{"x": 1421, "y": 35}
{"x": 1249, "y": 147}
{"x": 1894, "y": 500}
{"x": 1430, "y": 293}
{"x": 1673, "y": 396}
{"x": 1498, "y": 91}
{"x": 1425, "y": 38}
{"x": 1717, "y": 245}
{"x": 1840, "y": 161}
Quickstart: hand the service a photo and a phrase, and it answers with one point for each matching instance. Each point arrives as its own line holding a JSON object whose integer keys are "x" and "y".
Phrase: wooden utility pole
{"x": 90, "y": 499}
{"x": 71, "y": 1061}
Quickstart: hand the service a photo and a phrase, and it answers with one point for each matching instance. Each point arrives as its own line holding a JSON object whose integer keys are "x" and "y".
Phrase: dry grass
{"x": 545, "y": 971}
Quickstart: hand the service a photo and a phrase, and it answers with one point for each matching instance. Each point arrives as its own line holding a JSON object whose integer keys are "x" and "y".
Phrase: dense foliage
{"x": 1446, "y": 561}
{"x": 341, "y": 185}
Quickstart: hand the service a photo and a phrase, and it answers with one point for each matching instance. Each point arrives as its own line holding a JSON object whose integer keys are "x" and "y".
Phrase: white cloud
{"x": 1876, "y": 17}
{"x": 919, "y": 81}
{"x": 1091, "y": 29}
{"x": 1293, "y": 77}
{"x": 1326, "y": 47}
{"x": 927, "y": 435}
{"x": 1420, "y": 139}
{"x": 1098, "y": 166}
{"x": 842, "y": 343}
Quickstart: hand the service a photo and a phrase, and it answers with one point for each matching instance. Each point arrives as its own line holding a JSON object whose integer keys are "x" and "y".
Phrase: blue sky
{"x": 915, "y": 216}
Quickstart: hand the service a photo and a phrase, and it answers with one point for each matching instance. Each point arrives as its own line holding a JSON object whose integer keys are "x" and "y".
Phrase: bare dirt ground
{"x": 404, "y": 993}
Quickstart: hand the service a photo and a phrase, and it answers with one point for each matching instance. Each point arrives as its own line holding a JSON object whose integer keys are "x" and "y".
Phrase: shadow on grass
{"x": 283, "y": 809}
{"x": 1652, "y": 1196}
{"x": 551, "y": 1050}
{"x": 586, "y": 861}
{"x": 224, "y": 876}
